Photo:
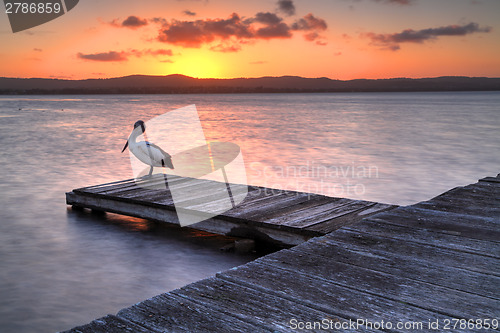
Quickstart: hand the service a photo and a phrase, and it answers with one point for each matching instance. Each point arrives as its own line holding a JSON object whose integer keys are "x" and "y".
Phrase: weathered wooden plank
{"x": 324, "y": 213}
{"x": 483, "y": 196}
{"x": 205, "y": 195}
{"x": 134, "y": 193}
{"x": 219, "y": 201}
{"x": 274, "y": 206}
{"x": 446, "y": 222}
{"x": 110, "y": 324}
{"x": 157, "y": 181}
{"x": 434, "y": 298}
{"x": 150, "y": 211}
{"x": 484, "y": 188}
{"x": 305, "y": 203}
{"x": 261, "y": 309}
{"x": 317, "y": 209}
{"x": 252, "y": 196}
{"x": 266, "y": 203}
{"x": 170, "y": 313}
{"x": 104, "y": 188}
{"x": 490, "y": 179}
{"x": 109, "y": 184}
{"x": 254, "y": 199}
{"x": 146, "y": 181}
{"x": 327, "y": 296}
{"x": 379, "y": 227}
{"x": 348, "y": 219}
{"x": 153, "y": 198}
{"x": 264, "y": 233}
{"x": 353, "y": 249}
{"x": 156, "y": 199}
{"x": 462, "y": 206}
{"x": 387, "y": 243}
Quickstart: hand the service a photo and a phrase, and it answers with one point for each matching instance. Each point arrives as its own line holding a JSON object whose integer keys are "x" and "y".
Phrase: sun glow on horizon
{"x": 197, "y": 64}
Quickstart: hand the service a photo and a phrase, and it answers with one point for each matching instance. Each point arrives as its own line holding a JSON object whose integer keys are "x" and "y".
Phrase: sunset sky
{"x": 339, "y": 39}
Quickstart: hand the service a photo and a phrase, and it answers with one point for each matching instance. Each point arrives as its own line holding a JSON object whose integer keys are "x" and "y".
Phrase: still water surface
{"x": 60, "y": 268}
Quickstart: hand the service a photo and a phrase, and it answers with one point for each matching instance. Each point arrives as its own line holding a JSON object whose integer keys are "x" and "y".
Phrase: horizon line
{"x": 259, "y": 77}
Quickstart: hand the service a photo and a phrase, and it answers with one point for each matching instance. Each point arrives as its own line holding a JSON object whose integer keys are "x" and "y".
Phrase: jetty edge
{"x": 434, "y": 265}
{"x": 267, "y": 215}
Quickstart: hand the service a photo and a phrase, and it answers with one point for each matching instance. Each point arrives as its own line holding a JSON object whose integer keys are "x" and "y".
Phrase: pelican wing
{"x": 159, "y": 155}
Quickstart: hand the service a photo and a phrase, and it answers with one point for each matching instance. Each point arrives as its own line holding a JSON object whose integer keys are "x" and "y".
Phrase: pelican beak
{"x": 126, "y": 145}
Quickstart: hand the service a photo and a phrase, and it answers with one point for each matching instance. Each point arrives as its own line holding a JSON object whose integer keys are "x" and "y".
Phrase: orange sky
{"x": 339, "y": 39}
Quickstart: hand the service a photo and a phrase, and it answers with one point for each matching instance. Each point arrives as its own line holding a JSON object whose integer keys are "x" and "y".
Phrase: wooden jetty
{"x": 271, "y": 215}
{"x": 431, "y": 267}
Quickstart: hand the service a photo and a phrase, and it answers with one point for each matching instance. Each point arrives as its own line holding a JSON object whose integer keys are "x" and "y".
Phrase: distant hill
{"x": 185, "y": 84}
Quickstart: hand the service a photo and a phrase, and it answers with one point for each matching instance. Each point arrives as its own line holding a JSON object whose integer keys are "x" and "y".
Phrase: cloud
{"x": 226, "y": 48}
{"x": 258, "y": 62}
{"x": 195, "y": 33}
{"x": 106, "y": 56}
{"x": 235, "y": 30}
{"x": 311, "y": 36}
{"x": 37, "y": 49}
{"x": 310, "y": 22}
{"x": 397, "y": 2}
{"x": 392, "y": 41}
{"x": 131, "y": 22}
{"x": 274, "y": 27}
{"x": 266, "y": 18}
{"x": 124, "y": 55}
{"x": 189, "y": 13}
{"x": 62, "y": 77}
{"x": 160, "y": 52}
{"x": 311, "y": 25}
{"x": 134, "y": 22}
{"x": 286, "y": 7}
{"x": 280, "y": 30}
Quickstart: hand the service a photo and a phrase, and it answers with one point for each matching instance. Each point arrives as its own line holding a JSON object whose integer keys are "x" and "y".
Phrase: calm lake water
{"x": 60, "y": 268}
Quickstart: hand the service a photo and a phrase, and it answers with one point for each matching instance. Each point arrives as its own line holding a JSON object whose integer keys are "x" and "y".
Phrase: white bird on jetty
{"x": 147, "y": 152}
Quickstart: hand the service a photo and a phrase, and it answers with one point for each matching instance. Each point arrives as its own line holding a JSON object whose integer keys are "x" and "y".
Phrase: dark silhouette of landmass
{"x": 179, "y": 84}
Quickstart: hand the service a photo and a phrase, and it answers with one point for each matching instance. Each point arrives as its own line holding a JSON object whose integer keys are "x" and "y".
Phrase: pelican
{"x": 147, "y": 152}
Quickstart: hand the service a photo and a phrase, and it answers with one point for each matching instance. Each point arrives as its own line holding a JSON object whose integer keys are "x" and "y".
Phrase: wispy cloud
{"x": 399, "y": 2}
{"x": 226, "y": 48}
{"x": 396, "y": 2}
{"x": 189, "y": 13}
{"x": 105, "y": 56}
{"x": 286, "y": 7}
{"x": 116, "y": 56}
{"x": 159, "y": 52}
{"x": 392, "y": 41}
